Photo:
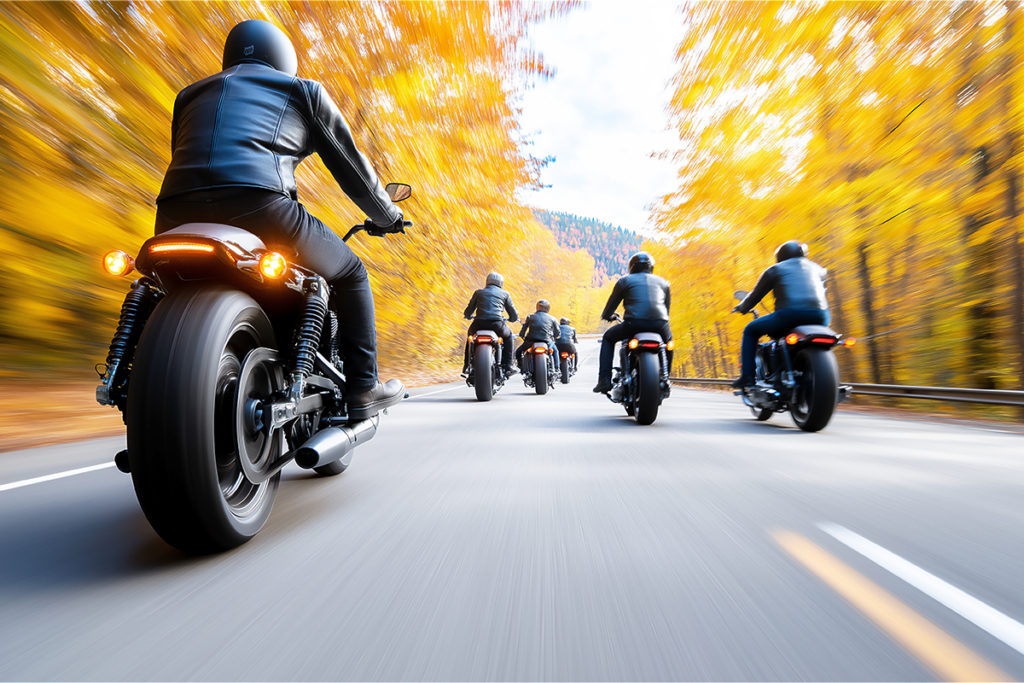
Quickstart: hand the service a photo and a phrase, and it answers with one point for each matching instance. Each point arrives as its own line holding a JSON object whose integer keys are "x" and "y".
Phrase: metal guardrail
{"x": 995, "y": 397}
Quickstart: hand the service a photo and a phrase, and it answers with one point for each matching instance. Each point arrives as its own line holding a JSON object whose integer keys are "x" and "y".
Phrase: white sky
{"x": 603, "y": 113}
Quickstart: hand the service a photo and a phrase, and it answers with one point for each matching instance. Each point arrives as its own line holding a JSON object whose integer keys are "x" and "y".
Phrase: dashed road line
{"x": 51, "y": 477}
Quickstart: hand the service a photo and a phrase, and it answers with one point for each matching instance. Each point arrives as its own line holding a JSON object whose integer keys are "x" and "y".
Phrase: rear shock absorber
{"x": 308, "y": 330}
{"x": 135, "y": 311}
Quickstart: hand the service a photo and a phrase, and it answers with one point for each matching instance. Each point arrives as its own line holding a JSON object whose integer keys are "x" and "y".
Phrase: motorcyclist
{"x": 489, "y": 306}
{"x": 646, "y": 300}
{"x": 799, "y": 286}
{"x": 567, "y": 339}
{"x": 539, "y": 327}
{"x": 236, "y": 138}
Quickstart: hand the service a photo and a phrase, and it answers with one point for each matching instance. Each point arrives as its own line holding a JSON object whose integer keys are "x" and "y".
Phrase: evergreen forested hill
{"x": 610, "y": 246}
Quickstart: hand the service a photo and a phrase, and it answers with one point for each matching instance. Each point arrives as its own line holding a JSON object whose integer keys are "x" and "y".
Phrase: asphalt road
{"x": 544, "y": 537}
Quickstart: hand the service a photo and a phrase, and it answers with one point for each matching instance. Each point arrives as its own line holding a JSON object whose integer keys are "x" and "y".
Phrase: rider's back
{"x": 645, "y": 296}
{"x": 798, "y": 283}
{"x": 490, "y": 303}
{"x": 250, "y": 126}
{"x": 542, "y": 326}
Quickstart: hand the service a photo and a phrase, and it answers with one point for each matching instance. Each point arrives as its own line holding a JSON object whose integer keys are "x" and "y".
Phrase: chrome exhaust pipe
{"x": 334, "y": 443}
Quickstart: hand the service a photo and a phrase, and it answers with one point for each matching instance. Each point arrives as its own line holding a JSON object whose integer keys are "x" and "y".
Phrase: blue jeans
{"x": 775, "y": 325}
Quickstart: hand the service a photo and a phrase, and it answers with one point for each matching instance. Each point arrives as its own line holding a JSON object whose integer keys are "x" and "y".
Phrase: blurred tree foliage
{"x": 887, "y": 136}
{"x": 429, "y": 89}
{"x": 610, "y": 246}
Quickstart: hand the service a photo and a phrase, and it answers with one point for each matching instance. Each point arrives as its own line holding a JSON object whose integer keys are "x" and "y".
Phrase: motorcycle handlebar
{"x": 375, "y": 230}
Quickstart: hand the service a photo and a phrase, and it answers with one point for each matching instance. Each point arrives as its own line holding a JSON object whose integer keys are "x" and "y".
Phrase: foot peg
{"x": 121, "y": 462}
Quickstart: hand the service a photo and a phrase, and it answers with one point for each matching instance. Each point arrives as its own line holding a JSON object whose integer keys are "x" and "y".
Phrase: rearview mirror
{"x": 398, "y": 191}
{"x": 740, "y": 294}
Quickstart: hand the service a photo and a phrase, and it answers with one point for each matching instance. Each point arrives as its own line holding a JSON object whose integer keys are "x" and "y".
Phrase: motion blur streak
{"x": 929, "y": 643}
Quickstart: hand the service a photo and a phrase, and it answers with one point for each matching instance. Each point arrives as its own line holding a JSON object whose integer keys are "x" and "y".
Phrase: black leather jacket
{"x": 797, "y": 282}
{"x": 568, "y": 335}
{"x": 491, "y": 303}
{"x": 644, "y": 296}
{"x": 250, "y": 126}
{"x": 541, "y": 326}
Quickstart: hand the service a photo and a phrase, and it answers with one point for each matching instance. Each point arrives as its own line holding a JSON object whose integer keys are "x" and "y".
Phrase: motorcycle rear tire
{"x": 540, "y": 374}
{"x": 183, "y": 448}
{"x": 815, "y": 400}
{"x": 483, "y": 372}
{"x": 564, "y": 366}
{"x": 648, "y": 389}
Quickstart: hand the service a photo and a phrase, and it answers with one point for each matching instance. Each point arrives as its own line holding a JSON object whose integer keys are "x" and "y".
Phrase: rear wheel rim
{"x": 242, "y": 497}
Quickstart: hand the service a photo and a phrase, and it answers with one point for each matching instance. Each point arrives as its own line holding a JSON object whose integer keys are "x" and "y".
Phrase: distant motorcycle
{"x": 798, "y": 373}
{"x": 225, "y": 366}
{"x": 567, "y": 365}
{"x": 485, "y": 373}
{"x": 640, "y": 382}
{"x": 539, "y": 366}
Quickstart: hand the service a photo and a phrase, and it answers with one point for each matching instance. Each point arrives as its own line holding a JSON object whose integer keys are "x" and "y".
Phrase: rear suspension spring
{"x": 307, "y": 334}
{"x": 135, "y": 311}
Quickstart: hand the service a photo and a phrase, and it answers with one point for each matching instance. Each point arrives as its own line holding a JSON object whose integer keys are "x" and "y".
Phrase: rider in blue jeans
{"x": 799, "y": 286}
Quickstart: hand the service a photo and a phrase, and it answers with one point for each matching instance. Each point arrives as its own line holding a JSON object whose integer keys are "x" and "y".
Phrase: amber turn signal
{"x": 273, "y": 265}
{"x": 118, "y": 263}
{"x": 671, "y": 344}
{"x": 633, "y": 343}
{"x": 849, "y": 342}
{"x": 792, "y": 339}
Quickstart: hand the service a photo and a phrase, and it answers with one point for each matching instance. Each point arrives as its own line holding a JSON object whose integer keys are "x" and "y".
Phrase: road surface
{"x": 544, "y": 538}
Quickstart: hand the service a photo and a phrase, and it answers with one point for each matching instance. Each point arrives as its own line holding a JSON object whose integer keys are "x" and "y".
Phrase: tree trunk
{"x": 869, "y": 314}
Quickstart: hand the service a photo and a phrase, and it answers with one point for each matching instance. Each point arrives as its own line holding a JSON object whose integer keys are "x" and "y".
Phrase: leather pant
{"x": 283, "y": 222}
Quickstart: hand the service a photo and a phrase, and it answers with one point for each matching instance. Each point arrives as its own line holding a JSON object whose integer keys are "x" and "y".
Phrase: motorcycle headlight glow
{"x": 118, "y": 263}
{"x": 273, "y": 265}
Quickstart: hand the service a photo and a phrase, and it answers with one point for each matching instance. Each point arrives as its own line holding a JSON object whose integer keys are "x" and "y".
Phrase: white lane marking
{"x": 51, "y": 477}
{"x": 985, "y": 617}
{"x": 439, "y": 391}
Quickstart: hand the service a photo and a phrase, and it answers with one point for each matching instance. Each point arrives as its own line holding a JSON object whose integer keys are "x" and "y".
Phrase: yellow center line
{"x": 937, "y": 649}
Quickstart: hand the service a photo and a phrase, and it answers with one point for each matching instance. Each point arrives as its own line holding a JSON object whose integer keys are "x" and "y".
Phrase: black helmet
{"x": 790, "y": 249}
{"x": 563, "y": 321}
{"x": 495, "y": 279}
{"x": 641, "y": 262}
{"x": 259, "y": 42}
{"x": 544, "y": 305}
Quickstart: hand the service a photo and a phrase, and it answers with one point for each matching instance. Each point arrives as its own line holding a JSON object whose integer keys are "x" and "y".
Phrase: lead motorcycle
{"x": 225, "y": 368}
{"x": 640, "y": 382}
{"x": 799, "y": 373}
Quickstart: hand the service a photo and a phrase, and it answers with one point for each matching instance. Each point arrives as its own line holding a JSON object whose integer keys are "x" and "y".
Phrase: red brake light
{"x": 823, "y": 340}
{"x": 181, "y": 246}
{"x": 483, "y": 340}
{"x": 650, "y": 345}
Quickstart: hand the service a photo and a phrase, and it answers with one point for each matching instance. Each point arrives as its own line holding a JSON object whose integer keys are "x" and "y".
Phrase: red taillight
{"x": 194, "y": 247}
{"x": 650, "y": 345}
{"x": 540, "y": 350}
{"x": 483, "y": 340}
{"x": 823, "y": 340}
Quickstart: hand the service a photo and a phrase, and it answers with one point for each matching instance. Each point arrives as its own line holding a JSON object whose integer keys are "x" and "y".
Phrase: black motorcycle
{"x": 485, "y": 373}
{"x": 539, "y": 366}
{"x": 225, "y": 367}
{"x": 640, "y": 382}
{"x": 798, "y": 373}
{"x": 567, "y": 365}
